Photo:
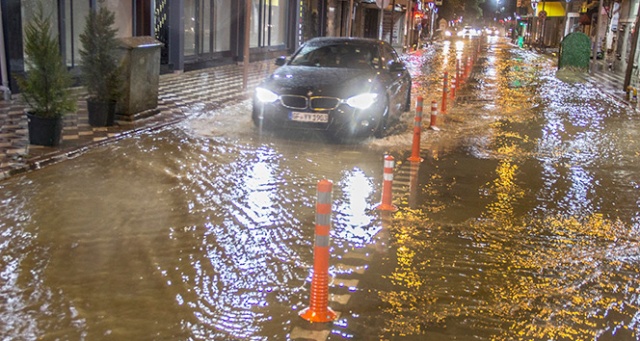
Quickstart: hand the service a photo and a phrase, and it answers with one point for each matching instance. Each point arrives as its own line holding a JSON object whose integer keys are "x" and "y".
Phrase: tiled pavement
{"x": 180, "y": 95}
{"x": 610, "y": 82}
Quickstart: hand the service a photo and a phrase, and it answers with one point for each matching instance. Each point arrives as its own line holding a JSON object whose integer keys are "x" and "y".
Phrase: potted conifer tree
{"x": 45, "y": 89}
{"x": 101, "y": 73}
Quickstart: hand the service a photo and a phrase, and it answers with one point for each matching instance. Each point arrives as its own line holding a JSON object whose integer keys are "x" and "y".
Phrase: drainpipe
{"x": 3, "y": 63}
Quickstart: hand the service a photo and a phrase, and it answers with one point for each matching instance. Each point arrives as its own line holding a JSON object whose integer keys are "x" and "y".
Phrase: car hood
{"x": 338, "y": 82}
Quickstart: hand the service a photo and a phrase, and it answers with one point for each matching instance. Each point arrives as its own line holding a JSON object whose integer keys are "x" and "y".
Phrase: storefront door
{"x": 207, "y": 27}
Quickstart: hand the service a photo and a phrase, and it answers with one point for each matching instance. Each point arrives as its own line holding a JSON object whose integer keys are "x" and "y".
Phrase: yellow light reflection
{"x": 410, "y": 294}
{"x": 512, "y": 275}
{"x": 506, "y": 193}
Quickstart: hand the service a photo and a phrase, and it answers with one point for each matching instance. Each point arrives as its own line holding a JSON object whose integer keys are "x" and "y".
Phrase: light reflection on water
{"x": 553, "y": 254}
{"x": 527, "y": 229}
{"x": 189, "y": 236}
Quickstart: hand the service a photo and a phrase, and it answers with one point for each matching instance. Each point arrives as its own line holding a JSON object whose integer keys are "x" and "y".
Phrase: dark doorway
{"x": 371, "y": 23}
{"x": 143, "y": 18}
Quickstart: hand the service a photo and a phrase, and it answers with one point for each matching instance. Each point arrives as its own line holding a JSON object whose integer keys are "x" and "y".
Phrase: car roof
{"x": 343, "y": 40}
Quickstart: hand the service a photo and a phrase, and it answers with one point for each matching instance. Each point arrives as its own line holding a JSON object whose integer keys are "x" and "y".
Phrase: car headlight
{"x": 447, "y": 33}
{"x": 266, "y": 96}
{"x": 362, "y": 101}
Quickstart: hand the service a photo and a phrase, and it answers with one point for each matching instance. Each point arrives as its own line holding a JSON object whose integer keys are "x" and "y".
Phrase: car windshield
{"x": 338, "y": 55}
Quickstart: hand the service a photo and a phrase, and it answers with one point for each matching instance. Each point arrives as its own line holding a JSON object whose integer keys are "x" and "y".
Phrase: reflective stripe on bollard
{"x": 387, "y": 185}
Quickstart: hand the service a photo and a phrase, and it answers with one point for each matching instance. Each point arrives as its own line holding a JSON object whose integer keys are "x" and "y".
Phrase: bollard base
{"x": 415, "y": 159}
{"x": 387, "y": 207}
{"x": 316, "y": 317}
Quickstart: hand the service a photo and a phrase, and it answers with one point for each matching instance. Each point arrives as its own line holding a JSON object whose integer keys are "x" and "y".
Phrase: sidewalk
{"x": 180, "y": 95}
{"x": 611, "y": 83}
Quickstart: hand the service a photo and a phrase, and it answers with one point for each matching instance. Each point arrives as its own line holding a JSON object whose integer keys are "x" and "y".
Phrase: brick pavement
{"x": 180, "y": 95}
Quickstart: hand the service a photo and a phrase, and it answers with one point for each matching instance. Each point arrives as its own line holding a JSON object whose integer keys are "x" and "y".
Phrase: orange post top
{"x": 325, "y": 186}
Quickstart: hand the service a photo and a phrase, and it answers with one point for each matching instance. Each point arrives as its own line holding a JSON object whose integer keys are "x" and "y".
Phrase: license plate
{"x": 309, "y": 117}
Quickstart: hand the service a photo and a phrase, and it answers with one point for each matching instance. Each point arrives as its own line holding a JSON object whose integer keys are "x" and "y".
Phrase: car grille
{"x": 318, "y": 103}
{"x": 324, "y": 103}
{"x": 294, "y": 102}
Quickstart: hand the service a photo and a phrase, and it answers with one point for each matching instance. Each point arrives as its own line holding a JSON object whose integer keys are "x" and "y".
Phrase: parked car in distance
{"x": 348, "y": 87}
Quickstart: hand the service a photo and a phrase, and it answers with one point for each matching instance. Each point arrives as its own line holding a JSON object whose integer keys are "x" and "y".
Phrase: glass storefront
{"x": 76, "y": 11}
{"x": 73, "y": 14}
{"x": 211, "y": 29}
{"x": 310, "y": 25}
{"x": 29, "y": 8}
{"x": 269, "y": 23}
{"x": 207, "y": 27}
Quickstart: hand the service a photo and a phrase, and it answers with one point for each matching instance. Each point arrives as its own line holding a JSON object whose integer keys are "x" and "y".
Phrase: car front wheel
{"x": 407, "y": 104}
{"x": 381, "y": 130}
{"x": 258, "y": 118}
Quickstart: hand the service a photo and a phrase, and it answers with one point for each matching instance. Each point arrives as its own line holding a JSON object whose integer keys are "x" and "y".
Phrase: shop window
{"x": 269, "y": 23}
{"x": 29, "y": 8}
{"x": 73, "y": 14}
{"x": 207, "y": 26}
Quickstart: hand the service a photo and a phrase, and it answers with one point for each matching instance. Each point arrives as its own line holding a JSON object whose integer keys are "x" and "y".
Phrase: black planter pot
{"x": 44, "y": 131}
{"x": 101, "y": 114}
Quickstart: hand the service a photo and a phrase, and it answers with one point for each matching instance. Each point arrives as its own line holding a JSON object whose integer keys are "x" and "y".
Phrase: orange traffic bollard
{"x": 434, "y": 116}
{"x": 386, "y": 204}
{"x": 458, "y": 78}
{"x": 417, "y": 128}
{"x": 445, "y": 89}
{"x": 319, "y": 310}
{"x": 467, "y": 68}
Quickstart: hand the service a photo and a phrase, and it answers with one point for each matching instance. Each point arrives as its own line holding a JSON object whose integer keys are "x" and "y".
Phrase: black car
{"x": 348, "y": 87}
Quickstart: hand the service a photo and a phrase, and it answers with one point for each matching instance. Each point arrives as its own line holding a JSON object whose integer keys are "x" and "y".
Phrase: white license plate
{"x": 309, "y": 117}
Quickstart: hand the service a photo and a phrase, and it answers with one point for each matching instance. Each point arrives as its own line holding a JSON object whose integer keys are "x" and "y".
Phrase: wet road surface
{"x": 521, "y": 223}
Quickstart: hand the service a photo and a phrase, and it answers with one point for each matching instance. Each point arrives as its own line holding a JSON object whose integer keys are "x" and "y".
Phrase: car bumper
{"x": 343, "y": 120}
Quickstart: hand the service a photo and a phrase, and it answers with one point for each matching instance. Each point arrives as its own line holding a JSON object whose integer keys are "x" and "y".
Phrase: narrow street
{"x": 520, "y": 223}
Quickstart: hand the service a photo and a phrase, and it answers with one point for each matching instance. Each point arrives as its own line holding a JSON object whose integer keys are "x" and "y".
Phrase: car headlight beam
{"x": 362, "y": 101}
{"x": 266, "y": 96}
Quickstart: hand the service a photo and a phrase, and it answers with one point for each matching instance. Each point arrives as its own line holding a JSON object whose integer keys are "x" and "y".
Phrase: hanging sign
{"x": 542, "y": 15}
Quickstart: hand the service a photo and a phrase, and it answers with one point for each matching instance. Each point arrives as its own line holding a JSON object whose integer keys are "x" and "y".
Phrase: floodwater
{"x": 523, "y": 223}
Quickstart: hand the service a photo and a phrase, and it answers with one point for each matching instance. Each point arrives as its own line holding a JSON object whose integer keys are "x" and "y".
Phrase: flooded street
{"x": 521, "y": 223}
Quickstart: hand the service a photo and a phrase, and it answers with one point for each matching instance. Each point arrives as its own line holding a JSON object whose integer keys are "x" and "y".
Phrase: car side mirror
{"x": 397, "y": 67}
{"x": 281, "y": 60}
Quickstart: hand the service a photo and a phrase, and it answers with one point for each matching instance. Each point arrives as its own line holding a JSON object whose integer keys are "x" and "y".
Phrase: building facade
{"x": 204, "y": 33}
{"x": 610, "y": 25}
